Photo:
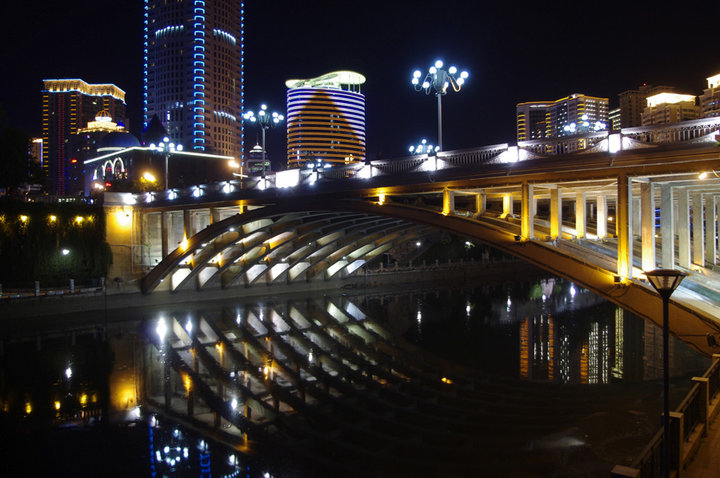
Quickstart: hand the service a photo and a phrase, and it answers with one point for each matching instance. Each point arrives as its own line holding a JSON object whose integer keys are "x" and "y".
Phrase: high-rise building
{"x": 634, "y": 102}
{"x": 68, "y": 106}
{"x": 575, "y": 114}
{"x": 326, "y": 119}
{"x": 614, "y": 117}
{"x": 193, "y": 72}
{"x": 664, "y": 108}
{"x": 710, "y": 99}
{"x": 531, "y": 119}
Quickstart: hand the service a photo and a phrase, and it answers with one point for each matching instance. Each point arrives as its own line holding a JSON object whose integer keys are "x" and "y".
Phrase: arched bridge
{"x": 598, "y": 219}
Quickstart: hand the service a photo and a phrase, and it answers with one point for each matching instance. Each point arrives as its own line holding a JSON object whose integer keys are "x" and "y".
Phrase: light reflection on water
{"x": 237, "y": 367}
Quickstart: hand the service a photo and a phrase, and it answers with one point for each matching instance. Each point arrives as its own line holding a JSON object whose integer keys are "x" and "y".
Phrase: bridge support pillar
{"x": 683, "y": 228}
{"x": 164, "y": 233}
{"x": 527, "y": 223}
{"x": 448, "y": 201}
{"x": 601, "y": 216}
{"x": 188, "y": 223}
{"x": 667, "y": 227}
{"x": 624, "y": 227}
{"x": 647, "y": 225}
{"x": 698, "y": 239}
{"x": 635, "y": 215}
{"x": 710, "y": 229}
{"x": 480, "y": 204}
{"x": 555, "y": 213}
{"x": 580, "y": 215}
{"x": 507, "y": 206}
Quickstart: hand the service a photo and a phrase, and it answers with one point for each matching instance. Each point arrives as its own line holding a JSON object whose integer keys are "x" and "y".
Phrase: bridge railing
{"x": 695, "y": 131}
{"x": 688, "y": 425}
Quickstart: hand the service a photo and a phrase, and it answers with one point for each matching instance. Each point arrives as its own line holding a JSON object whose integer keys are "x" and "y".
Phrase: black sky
{"x": 513, "y": 53}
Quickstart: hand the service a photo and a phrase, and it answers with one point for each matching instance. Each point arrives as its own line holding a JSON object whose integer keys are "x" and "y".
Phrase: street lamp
{"x": 264, "y": 120}
{"x": 423, "y": 147}
{"x": 439, "y": 80}
{"x": 166, "y": 147}
{"x": 665, "y": 281}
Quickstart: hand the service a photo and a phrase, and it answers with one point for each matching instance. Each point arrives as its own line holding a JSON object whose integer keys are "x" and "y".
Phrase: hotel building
{"x": 68, "y": 106}
{"x": 326, "y": 120}
{"x": 710, "y": 99}
{"x": 193, "y": 72}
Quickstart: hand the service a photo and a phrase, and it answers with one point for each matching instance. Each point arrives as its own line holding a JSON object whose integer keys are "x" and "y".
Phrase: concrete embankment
{"x": 117, "y": 303}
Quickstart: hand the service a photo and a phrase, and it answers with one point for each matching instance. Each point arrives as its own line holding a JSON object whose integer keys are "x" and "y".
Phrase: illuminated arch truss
{"x": 263, "y": 246}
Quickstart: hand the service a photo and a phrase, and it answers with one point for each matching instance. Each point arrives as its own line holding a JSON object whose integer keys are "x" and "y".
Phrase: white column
{"x": 507, "y": 205}
{"x": 555, "y": 213}
{"x": 710, "y": 229}
{"x": 683, "y": 228}
{"x": 698, "y": 239}
{"x": 667, "y": 227}
{"x": 580, "y": 215}
{"x": 647, "y": 221}
{"x": 602, "y": 210}
{"x": 527, "y": 212}
{"x": 624, "y": 227}
{"x": 480, "y": 204}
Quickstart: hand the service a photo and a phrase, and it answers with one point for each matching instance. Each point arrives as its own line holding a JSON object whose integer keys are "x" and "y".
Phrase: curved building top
{"x": 342, "y": 80}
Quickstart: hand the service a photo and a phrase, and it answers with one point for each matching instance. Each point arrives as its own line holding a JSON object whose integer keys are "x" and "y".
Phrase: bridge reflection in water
{"x": 321, "y": 383}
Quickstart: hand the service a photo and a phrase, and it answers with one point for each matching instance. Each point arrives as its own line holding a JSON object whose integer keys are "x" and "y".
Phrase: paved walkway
{"x": 706, "y": 463}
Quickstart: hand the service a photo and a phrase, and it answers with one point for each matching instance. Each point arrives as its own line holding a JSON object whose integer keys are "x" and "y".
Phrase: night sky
{"x": 540, "y": 52}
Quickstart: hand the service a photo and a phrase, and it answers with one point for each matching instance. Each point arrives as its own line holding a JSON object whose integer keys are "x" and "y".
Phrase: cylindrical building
{"x": 326, "y": 120}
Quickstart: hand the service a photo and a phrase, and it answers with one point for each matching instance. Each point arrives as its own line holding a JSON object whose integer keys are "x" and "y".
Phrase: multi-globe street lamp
{"x": 665, "y": 281}
{"x": 264, "y": 120}
{"x": 437, "y": 79}
{"x": 166, "y": 147}
{"x": 423, "y": 147}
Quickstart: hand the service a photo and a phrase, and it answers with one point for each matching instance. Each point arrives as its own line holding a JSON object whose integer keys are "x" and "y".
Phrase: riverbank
{"x": 115, "y": 298}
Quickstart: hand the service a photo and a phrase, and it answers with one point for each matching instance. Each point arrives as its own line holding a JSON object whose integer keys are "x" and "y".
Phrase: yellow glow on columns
{"x": 184, "y": 244}
{"x": 381, "y": 199}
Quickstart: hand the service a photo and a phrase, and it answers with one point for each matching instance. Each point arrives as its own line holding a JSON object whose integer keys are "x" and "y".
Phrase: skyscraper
{"x": 193, "y": 72}
{"x": 67, "y": 106}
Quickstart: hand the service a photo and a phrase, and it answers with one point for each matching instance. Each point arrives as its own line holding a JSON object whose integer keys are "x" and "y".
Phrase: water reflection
{"x": 423, "y": 382}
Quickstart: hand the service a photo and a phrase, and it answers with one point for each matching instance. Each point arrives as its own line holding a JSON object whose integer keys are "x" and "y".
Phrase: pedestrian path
{"x": 706, "y": 463}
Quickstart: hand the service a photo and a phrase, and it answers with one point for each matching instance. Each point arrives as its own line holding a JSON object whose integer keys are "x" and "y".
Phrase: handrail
{"x": 692, "y": 408}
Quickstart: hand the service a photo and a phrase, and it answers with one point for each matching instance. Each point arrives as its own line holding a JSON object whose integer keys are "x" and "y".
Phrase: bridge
{"x": 599, "y": 218}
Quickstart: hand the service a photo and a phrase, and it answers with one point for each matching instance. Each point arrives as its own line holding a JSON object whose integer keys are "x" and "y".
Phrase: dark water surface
{"x": 529, "y": 377}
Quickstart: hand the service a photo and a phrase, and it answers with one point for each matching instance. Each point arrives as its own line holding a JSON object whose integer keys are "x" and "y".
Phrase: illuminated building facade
{"x": 326, "y": 120}
{"x": 664, "y": 108}
{"x": 569, "y": 116}
{"x": 575, "y": 113}
{"x": 633, "y": 103}
{"x": 531, "y": 120}
{"x": 68, "y": 106}
{"x": 615, "y": 120}
{"x": 710, "y": 99}
{"x": 193, "y": 72}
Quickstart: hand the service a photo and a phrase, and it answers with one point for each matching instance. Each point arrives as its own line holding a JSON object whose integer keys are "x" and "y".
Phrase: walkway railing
{"x": 688, "y": 425}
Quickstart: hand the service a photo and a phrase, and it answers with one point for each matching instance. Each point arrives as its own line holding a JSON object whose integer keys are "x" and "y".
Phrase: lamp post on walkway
{"x": 665, "y": 281}
{"x": 166, "y": 147}
{"x": 439, "y": 80}
{"x": 265, "y": 120}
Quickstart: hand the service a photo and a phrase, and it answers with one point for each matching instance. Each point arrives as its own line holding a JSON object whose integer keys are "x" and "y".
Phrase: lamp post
{"x": 439, "y": 80}
{"x": 166, "y": 147}
{"x": 423, "y": 147}
{"x": 264, "y": 120}
{"x": 665, "y": 281}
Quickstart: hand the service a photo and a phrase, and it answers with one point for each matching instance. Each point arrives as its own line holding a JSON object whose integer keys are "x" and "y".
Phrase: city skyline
{"x": 386, "y": 45}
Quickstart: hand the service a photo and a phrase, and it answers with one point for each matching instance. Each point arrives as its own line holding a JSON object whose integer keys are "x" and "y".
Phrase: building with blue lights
{"x": 193, "y": 72}
{"x": 325, "y": 120}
